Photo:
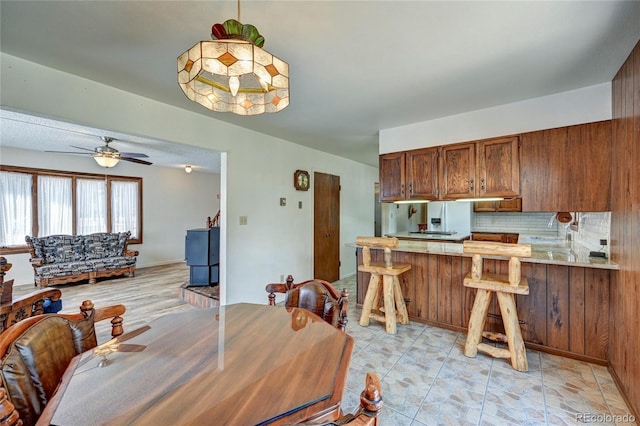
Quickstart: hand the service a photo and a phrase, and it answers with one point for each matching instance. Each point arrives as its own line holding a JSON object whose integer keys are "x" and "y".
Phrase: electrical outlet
{"x": 243, "y": 220}
{"x": 282, "y": 278}
{"x": 299, "y": 204}
{"x": 603, "y": 242}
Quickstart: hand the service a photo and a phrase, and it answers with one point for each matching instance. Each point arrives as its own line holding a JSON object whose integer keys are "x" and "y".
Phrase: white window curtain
{"x": 15, "y": 208}
{"x": 124, "y": 207}
{"x": 55, "y": 210}
{"x": 91, "y": 206}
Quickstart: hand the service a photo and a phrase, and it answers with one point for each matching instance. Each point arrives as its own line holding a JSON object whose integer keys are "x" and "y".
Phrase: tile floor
{"x": 426, "y": 380}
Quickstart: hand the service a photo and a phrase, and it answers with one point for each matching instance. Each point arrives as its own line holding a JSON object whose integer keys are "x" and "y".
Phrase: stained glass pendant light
{"x": 232, "y": 73}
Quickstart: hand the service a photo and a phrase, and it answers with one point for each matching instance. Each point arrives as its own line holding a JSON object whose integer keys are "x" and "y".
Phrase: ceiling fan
{"x": 107, "y": 156}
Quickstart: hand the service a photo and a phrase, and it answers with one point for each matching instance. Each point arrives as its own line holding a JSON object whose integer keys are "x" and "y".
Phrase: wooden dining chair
{"x": 366, "y": 414}
{"x": 14, "y": 309}
{"x": 317, "y": 296}
{"x": 35, "y": 353}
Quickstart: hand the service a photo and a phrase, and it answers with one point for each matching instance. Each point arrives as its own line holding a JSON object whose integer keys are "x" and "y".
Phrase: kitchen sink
{"x": 547, "y": 241}
{"x": 434, "y": 232}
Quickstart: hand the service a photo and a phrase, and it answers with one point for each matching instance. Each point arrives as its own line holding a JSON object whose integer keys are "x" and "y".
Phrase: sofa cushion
{"x": 59, "y": 248}
{"x": 111, "y": 263}
{"x": 103, "y": 245}
{"x": 63, "y": 269}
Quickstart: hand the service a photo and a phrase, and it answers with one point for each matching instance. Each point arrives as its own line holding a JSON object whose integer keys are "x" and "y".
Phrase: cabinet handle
{"x": 482, "y": 184}
{"x": 471, "y": 185}
{"x": 411, "y": 188}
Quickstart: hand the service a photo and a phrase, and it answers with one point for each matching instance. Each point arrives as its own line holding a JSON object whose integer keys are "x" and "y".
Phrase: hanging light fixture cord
{"x": 239, "y": 11}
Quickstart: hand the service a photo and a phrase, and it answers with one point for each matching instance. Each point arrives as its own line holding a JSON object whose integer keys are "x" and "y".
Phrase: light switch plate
{"x": 243, "y": 220}
{"x": 283, "y": 201}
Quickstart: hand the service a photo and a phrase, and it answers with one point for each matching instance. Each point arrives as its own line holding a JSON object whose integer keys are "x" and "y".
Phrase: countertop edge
{"x": 455, "y": 249}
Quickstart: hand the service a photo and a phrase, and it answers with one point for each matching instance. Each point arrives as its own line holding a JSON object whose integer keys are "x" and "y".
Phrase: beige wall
{"x": 257, "y": 170}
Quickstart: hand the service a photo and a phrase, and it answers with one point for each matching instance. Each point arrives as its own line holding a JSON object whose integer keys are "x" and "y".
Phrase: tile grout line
{"x": 544, "y": 391}
{"x": 486, "y": 389}
{"x": 423, "y": 400}
{"x": 604, "y": 398}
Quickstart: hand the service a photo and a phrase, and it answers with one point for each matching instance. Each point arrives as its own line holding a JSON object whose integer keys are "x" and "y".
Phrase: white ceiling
{"x": 356, "y": 66}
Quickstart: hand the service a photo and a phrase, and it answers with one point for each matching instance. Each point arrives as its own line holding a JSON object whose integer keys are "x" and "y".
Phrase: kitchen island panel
{"x": 597, "y": 312}
{"x": 444, "y": 290}
{"x": 558, "y": 307}
{"x": 565, "y": 312}
{"x": 576, "y": 313}
{"x": 532, "y": 308}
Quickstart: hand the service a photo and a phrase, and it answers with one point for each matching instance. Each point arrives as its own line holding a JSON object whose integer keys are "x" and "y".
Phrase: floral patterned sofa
{"x": 60, "y": 259}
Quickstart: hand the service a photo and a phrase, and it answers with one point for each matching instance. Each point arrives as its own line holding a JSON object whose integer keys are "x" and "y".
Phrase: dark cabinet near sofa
{"x": 202, "y": 253}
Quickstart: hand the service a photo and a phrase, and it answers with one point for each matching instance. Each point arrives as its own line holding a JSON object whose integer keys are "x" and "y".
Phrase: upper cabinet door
{"x": 458, "y": 171}
{"x": 422, "y": 174}
{"x": 567, "y": 169}
{"x": 498, "y": 168}
{"x": 392, "y": 176}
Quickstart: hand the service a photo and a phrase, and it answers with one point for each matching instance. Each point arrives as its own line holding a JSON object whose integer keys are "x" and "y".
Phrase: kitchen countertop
{"x": 437, "y": 237}
{"x": 558, "y": 252}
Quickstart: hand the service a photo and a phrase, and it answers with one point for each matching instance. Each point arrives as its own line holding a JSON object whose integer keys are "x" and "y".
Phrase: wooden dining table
{"x": 240, "y": 364}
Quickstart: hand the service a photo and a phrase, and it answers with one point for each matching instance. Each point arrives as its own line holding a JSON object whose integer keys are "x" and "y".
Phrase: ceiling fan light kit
{"x": 106, "y": 161}
{"x": 108, "y": 157}
{"x": 232, "y": 73}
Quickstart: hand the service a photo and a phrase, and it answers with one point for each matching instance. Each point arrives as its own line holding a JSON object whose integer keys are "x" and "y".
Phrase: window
{"x": 55, "y": 207}
{"x": 15, "y": 208}
{"x": 47, "y": 202}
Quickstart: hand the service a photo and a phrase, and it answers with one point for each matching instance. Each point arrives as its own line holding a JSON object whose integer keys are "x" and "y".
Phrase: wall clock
{"x": 301, "y": 180}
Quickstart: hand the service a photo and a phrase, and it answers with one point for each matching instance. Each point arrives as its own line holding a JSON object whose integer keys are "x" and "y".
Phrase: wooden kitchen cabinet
{"x": 392, "y": 176}
{"x": 498, "y": 237}
{"x": 567, "y": 169}
{"x": 458, "y": 171}
{"x": 488, "y": 168}
{"x": 410, "y": 175}
{"x": 510, "y": 205}
{"x": 498, "y": 169}
{"x": 422, "y": 174}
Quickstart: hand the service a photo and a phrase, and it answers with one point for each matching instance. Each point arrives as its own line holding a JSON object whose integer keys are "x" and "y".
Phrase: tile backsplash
{"x": 538, "y": 224}
{"x": 592, "y": 227}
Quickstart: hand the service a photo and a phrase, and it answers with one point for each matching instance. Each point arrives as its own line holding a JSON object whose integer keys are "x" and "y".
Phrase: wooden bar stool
{"x": 504, "y": 286}
{"x": 391, "y": 309}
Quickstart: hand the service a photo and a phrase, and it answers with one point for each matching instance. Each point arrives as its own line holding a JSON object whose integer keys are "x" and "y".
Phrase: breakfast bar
{"x": 566, "y": 312}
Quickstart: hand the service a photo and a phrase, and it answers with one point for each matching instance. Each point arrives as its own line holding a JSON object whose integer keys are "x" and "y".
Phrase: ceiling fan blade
{"x": 85, "y": 149}
{"x": 70, "y": 152}
{"x": 136, "y": 160}
{"x": 134, "y": 154}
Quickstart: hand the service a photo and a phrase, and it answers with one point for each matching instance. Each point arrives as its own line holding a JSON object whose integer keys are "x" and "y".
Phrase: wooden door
{"x": 422, "y": 174}
{"x": 458, "y": 171}
{"x": 392, "y": 176}
{"x": 326, "y": 227}
{"x": 498, "y": 167}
